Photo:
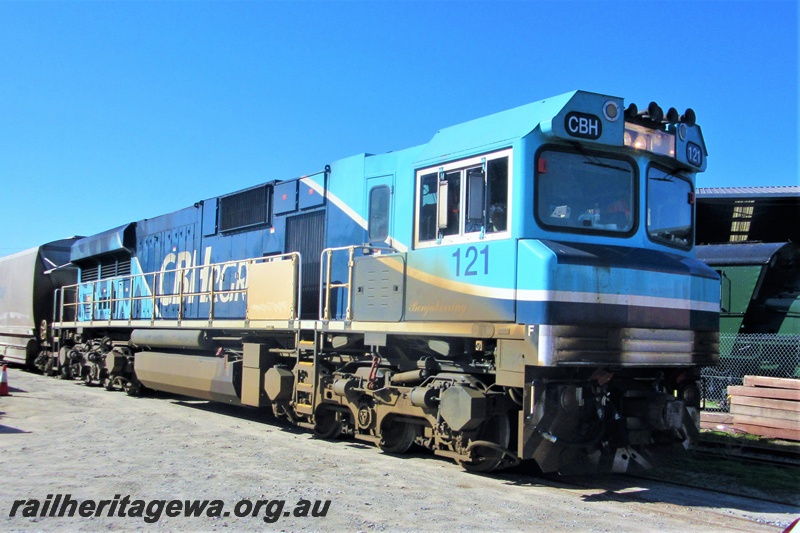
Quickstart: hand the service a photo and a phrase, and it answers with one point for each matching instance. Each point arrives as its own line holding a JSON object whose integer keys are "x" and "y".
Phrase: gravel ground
{"x": 62, "y": 437}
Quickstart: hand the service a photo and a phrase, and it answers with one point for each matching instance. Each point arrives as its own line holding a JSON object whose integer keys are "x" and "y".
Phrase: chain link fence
{"x": 757, "y": 354}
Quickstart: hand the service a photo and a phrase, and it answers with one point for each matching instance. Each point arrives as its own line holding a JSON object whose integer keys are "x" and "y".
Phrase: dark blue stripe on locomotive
{"x": 618, "y": 316}
{"x": 596, "y": 255}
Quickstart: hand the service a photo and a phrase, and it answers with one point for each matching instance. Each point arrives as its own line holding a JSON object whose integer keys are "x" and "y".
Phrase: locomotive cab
{"x": 620, "y": 315}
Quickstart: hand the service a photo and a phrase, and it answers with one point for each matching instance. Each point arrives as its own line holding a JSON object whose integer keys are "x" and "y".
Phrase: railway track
{"x": 642, "y": 490}
{"x": 754, "y": 453}
{"x": 764, "y": 473}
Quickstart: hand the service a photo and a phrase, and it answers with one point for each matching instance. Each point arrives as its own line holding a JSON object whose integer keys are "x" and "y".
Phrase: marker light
{"x": 542, "y": 165}
{"x": 611, "y": 111}
{"x": 656, "y": 141}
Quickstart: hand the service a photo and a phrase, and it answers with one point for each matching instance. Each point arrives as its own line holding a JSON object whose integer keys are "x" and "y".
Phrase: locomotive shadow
{"x": 252, "y": 414}
{"x": 260, "y": 416}
{"x": 266, "y": 418}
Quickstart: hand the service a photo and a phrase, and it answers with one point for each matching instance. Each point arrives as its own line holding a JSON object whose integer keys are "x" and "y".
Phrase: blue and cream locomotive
{"x": 523, "y": 286}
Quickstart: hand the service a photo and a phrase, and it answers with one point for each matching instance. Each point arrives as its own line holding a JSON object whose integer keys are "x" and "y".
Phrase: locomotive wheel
{"x": 488, "y": 449}
{"x": 133, "y": 389}
{"x": 326, "y": 423}
{"x": 397, "y": 437}
{"x": 49, "y": 367}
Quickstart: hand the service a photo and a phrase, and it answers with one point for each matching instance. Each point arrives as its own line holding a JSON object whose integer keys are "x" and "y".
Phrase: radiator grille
{"x": 108, "y": 267}
{"x": 306, "y": 234}
{"x": 90, "y": 273}
{"x": 244, "y": 209}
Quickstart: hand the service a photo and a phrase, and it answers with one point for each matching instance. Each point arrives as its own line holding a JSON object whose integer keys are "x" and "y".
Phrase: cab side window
{"x": 426, "y": 209}
{"x": 450, "y": 218}
{"x": 497, "y": 201}
{"x": 465, "y": 200}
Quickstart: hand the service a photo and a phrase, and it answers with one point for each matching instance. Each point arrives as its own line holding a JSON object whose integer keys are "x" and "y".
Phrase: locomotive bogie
{"x": 608, "y": 422}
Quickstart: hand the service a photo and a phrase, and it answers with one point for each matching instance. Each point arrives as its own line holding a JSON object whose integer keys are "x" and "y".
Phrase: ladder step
{"x": 307, "y": 346}
{"x": 303, "y": 408}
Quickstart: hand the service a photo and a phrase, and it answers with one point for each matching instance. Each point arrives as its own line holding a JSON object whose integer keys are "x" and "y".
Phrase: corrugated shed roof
{"x": 749, "y": 192}
{"x": 739, "y": 253}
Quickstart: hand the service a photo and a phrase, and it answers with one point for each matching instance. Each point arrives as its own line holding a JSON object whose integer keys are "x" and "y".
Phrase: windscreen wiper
{"x": 594, "y": 161}
{"x": 605, "y": 165}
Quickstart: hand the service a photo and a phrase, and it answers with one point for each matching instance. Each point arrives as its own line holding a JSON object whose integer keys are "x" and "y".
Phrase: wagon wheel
{"x": 489, "y": 450}
{"x": 326, "y": 423}
{"x": 397, "y": 437}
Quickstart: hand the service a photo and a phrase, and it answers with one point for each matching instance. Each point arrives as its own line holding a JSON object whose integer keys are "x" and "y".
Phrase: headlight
{"x": 656, "y": 141}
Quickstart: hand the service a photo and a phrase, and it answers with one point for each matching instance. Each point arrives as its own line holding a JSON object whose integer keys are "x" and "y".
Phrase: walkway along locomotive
{"x": 522, "y": 286}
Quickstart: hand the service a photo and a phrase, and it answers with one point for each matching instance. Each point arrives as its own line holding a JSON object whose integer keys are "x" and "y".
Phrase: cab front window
{"x": 669, "y": 209}
{"x": 585, "y": 193}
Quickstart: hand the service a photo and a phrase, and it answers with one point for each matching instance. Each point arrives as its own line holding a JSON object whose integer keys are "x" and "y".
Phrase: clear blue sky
{"x": 112, "y": 112}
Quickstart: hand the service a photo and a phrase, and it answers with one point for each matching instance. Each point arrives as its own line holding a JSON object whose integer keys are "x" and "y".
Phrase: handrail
{"x": 325, "y": 284}
{"x": 325, "y": 276}
{"x": 55, "y": 304}
{"x": 185, "y": 278}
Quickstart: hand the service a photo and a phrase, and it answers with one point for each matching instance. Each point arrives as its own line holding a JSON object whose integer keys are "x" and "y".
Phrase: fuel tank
{"x": 203, "y": 377}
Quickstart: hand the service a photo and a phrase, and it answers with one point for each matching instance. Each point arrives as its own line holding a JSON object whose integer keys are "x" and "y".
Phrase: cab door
{"x": 379, "y": 279}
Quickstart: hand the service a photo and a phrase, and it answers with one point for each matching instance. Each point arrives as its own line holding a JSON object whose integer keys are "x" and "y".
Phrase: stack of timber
{"x": 768, "y": 407}
{"x": 716, "y": 420}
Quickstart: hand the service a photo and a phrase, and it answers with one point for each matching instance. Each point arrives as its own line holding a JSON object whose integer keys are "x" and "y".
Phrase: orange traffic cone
{"x": 4, "y": 382}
